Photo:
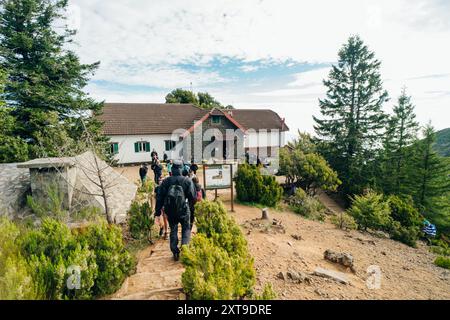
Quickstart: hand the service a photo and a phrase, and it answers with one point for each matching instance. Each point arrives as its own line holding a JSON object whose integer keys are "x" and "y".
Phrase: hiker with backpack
{"x": 200, "y": 194}
{"x": 176, "y": 196}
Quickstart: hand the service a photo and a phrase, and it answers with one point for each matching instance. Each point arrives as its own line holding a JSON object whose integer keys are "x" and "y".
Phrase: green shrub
{"x": 270, "y": 193}
{"x": 267, "y": 294}
{"x": 140, "y": 220}
{"x": 16, "y": 282}
{"x": 51, "y": 251}
{"x": 218, "y": 265}
{"x": 443, "y": 262}
{"x": 344, "y": 221}
{"x": 403, "y": 211}
{"x": 370, "y": 211}
{"x": 307, "y": 206}
{"x": 52, "y": 206}
{"x": 211, "y": 274}
{"x": 252, "y": 186}
{"x": 440, "y": 247}
{"x": 407, "y": 235}
{"x": 40, "y": 263}
{"x": 214, "y": 222}
{"x": 113, "y": 260}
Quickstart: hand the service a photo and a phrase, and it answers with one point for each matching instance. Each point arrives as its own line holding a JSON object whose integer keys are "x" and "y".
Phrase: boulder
{"x": 344, "y": 259}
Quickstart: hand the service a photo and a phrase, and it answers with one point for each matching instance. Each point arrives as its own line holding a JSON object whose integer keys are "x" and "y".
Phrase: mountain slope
{"x": 442, "y": 145}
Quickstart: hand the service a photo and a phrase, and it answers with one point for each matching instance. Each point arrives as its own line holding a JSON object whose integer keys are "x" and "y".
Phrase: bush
{"x": 267, "y": 294}
{"x": 443, "y": 262}
{"x": 140, "y": 220}
{"x": 252, "y": 186}
{"x": 406, "y": 235}
{"x": 16, "y": 282}
{"x": 403, "y": 211}
{"x": 301, "y": 164}
{"x": 209, "y": 273}
{"x": 344, "y": 221}
{"x": 218, "y": 265}
{"x": 370, "y": 211}
{"x": 114, "y": 262}
{"x": 50, "y": 251}
{"x": 214, "y": 222}
{"x": 52, "y": 206}
{"x": 97, "y": 249}
{"x": 307, "y": 206}
{"x": 440, "y": 247}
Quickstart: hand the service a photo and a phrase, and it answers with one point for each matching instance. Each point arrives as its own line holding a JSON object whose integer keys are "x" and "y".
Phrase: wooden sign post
{"x": 219, "y": 176}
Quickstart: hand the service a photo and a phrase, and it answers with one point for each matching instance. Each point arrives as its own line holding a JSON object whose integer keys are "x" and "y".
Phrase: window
{"x": 142, "y": 146}
{"x": 215, "y": 119}
{"x": 114, "y": 148}
{"x": 170, "y": 144}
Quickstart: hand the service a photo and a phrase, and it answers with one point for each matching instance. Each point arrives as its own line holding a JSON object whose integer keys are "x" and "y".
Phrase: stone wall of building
{"x": 14, "y": 186}
{"x": 198, "y": 145}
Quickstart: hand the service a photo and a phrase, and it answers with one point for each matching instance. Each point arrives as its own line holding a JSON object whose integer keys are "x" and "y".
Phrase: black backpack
{"x": 175, "y": 202}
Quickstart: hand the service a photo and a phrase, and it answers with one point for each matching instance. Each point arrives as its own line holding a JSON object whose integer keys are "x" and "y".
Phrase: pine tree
{"x": 432, "y": 176}
{"x": 45, "y": 80}
{"x": 400, "y": 135}
{"x": 352, "y": 116}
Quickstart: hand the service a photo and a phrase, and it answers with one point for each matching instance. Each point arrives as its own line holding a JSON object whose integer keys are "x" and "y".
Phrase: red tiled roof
{"x": 161, "y": 118}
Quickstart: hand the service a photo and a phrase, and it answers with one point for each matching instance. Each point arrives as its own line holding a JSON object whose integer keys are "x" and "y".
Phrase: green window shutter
{"x": 147, "y": 147}
{"x": 136, "y": 147}
{"x": 116, "y": 147}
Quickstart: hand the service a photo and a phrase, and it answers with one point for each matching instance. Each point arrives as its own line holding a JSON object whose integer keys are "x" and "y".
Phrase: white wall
{"x": 128, "y": 155}
{"x": 264, "y": 139}
{"x": 126, "y": 147}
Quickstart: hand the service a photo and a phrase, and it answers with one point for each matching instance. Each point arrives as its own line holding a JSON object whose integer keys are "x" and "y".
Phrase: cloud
{"x": 234, "y": 49}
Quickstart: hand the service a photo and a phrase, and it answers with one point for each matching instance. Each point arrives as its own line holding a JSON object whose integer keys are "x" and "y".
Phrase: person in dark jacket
{"x": 176, "y": 218}
{"x": 162, "y": 219}
{"x": 143, "y": 172}
{"x": 157, "y": 171}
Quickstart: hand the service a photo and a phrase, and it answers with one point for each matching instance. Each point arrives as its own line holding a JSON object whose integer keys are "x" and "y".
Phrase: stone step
{"x": 172, "y": 292}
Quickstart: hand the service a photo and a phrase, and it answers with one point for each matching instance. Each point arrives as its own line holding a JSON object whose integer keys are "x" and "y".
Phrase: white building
{"x": 135, "y": 130}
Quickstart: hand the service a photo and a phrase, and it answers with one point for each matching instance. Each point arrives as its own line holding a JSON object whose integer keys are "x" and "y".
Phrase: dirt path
{"x": 158, "y": 276}
{"x": 406, "y": 273}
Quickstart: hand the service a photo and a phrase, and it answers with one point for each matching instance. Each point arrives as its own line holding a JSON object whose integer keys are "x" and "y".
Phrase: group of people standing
{"x": 176, "y": 196}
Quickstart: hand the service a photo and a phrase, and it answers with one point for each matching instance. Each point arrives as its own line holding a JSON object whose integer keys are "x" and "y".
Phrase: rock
{"x": 333, "y": 275}
{"x": 296, "y": 237}
{"x": 344, "y": 259}
{"x": 445, "y": 275}
{"x": 265, "y": 214}
{"x": 320, "y": 293}
{"x": 282, "y": 276}
{"x": 289, "y": 243}
{"x": 298, "y": 277}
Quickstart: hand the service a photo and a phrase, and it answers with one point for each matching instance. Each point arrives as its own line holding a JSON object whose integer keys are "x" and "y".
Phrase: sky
{"x": 262, "y": 53}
